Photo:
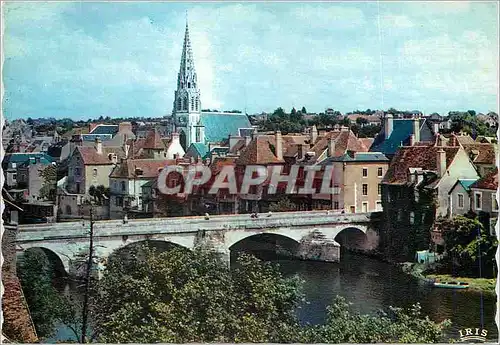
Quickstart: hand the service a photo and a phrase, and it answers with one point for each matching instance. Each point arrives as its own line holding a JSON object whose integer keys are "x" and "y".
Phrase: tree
{"x": 283, "y": 205}
{"x": 471, "y": 250}
{"x": 48, "y": 189}
{"x": 193, "y": 296}
{"x": 395, "y": 326}
{"x": 303, "y": 110}
{"x": 36, "y": 274}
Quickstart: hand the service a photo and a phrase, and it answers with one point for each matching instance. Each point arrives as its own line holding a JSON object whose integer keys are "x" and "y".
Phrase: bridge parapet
{"x": 188, "y": 224}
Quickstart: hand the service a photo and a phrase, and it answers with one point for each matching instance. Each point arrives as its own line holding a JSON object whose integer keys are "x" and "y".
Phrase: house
{"x": 402, "y": 132}
{"x": 483, "y": 156}
{"x": 357, "y": 178}
{"x": 415, "y": 190}
{"x": 484, "y": 201}
{"x": 153, "y": 146}
{"x": 91, "y": 166}
{"x": 126, "y": 181}
{"x": 13, "y": 161}
{"x": 372, "y": 120}
{"x": 31, "y": 177}
{"x": 459, "y": 194}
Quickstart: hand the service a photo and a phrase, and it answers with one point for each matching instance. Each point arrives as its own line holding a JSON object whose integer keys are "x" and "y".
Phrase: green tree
{"x": 48, "y": 189}
{"x": 283, "y": 205}
{"x": 193, "y": 296}
{"x": 470, "y": 248}
{"x": 303, "y": 110}
{"x": 35, "y": 274}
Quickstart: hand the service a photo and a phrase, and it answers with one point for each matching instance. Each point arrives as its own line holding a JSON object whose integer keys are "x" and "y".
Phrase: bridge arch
{"x": 353, "y": 237}
{"x": 159, "y": 245}
{"x": 265, "y": 243}
{"x": 59, "y": 264}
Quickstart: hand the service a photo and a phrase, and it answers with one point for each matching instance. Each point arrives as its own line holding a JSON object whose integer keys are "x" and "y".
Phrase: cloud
{"x": 329, "y": 16}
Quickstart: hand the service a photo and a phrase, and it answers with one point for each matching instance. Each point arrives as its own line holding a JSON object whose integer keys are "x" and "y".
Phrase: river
{"x": 371, "y": 285}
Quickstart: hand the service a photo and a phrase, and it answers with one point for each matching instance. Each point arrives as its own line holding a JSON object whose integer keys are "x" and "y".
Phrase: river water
{"x": 371, "y": 285}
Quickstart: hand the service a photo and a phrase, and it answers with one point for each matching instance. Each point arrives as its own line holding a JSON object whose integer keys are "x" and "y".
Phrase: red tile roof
{"x": 490, "y": 181}
{"x": 485, "y": 153}
{"x": 91, "y": 157}
{"x": 153, "y": 141}
{"x": 424, "y": 157}
{"x": 150, "y": 168}
{"x": 344, "y": 141}
{"x": 261, "y": 150}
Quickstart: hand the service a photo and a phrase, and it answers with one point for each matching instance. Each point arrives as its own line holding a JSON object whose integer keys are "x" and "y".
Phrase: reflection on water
{"x": 371, "y": 285}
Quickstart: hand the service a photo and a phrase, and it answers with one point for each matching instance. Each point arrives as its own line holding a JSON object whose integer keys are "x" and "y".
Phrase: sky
{"x": 86, "y": 59}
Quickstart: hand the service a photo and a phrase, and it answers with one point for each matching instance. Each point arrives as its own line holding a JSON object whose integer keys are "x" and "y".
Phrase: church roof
{"x": 218, "y": 126}
{"x": 197, "y": 150}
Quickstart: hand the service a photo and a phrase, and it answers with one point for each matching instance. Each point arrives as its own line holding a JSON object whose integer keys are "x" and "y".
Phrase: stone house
{"x": 459, "y": 194}
{"x": 126, "y": 181}
{"x": 484, "y": 201}
{"x": 415, "y": 190}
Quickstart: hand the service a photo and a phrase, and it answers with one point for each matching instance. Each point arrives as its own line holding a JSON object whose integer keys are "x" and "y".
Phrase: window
{"x": 197, "y": 102}
{"x": 335, "y": 205}
{"x": 380, "y": 172}
{"x": 119, "y": 201}
{"x": 336, "y": 189}
{"x": 14, "y": 177}
{"x": 379, "y": 205}
{"x": 94, "y": 172}
{"x": 460, "y": 200}
{"x": 192, "y": 103}
{"x": 365, "y": 172}
{"x": 494, "y": 202}
{"x": 365, "y": 189}
{"x": 123, "y": 186}
{"x": 477, "y": 200}
{"x": 353, "y": 209}
{"x": 179, "y": 104}
{"x": 412, "y": 218}
{"x": 379, "y": 189}
{"x": 365, "y": 207}
{"x": 77, "y": 171}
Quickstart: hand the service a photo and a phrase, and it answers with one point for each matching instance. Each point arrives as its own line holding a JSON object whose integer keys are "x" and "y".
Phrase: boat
{"x": 451, "y": 285}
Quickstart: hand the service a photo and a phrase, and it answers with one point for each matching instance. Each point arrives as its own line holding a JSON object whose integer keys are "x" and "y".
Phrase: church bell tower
{"x": 187, "y": 105}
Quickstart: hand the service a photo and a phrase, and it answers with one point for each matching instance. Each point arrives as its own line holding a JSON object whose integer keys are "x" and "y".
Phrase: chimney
{"x": 98, "y": 145}
{"x": 248, "y": 139}
{"x": 441, "y": 162}
{"x": 331, "y": 147}
{"x": 388, "y": 125}
{"x": 254, "y": 133}
{"x": 279, "y": 145}
{"x": 314, "y": 134}
{"x": 435, "y": 128}
{"x": 412, "y": 140}
{"x": 124, "y": 127}
{"x": 175, "y": 138}
{"x": 416, "y": 129}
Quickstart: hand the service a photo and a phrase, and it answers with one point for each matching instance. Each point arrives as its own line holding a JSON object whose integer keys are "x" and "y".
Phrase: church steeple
{"x": 187, "y": 73}
{"x": 187, "y": 105}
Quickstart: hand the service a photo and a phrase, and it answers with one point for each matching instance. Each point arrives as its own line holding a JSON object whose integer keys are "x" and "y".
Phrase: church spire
{"x": 187, "y": 73}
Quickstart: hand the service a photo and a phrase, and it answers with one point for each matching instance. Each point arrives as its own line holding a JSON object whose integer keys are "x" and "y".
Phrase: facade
{"x": 459, "y": 201}
{"x": 126, "y": 183}
{"x": 415, "y": 191}
{"x": 358, "y": 176}
{"x": 483, "y": 199}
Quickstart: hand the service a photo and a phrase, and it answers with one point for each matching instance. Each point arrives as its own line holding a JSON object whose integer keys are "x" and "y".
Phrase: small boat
{"x": 451, "y": 285}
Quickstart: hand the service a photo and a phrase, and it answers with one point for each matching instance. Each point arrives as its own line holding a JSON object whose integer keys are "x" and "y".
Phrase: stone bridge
{"x": 316, "y": 234}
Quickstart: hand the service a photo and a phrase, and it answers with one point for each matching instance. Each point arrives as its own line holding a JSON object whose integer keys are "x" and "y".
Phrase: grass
{"x": 479, "y": 284}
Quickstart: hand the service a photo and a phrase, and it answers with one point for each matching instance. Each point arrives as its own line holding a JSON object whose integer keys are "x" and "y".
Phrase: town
{"x": 401, "y": 186}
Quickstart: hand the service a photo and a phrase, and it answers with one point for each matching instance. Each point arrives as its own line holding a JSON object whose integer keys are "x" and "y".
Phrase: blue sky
{"x": 83, "y": 60}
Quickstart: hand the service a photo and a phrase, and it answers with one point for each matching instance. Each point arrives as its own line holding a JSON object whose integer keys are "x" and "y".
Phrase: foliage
{"x": 287, "y": 123}
{"x": 396, "y": 326}
{"x": 471, "y": 250}
{"x": 99, "y": 193}
{"x": 469, "y": 123}
{"x": 48, "y": 189}
{"x": 35, "y": 274}
{"x": 192, "y": 296}
{"x": 183, "y": 296}
{"x": 283, "y": 205}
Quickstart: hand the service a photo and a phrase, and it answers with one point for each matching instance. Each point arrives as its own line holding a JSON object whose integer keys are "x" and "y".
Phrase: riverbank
{"x": 475, "y": 284}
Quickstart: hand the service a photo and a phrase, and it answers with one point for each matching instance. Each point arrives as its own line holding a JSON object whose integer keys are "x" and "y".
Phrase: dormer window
{"x": 138, "y": 171}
